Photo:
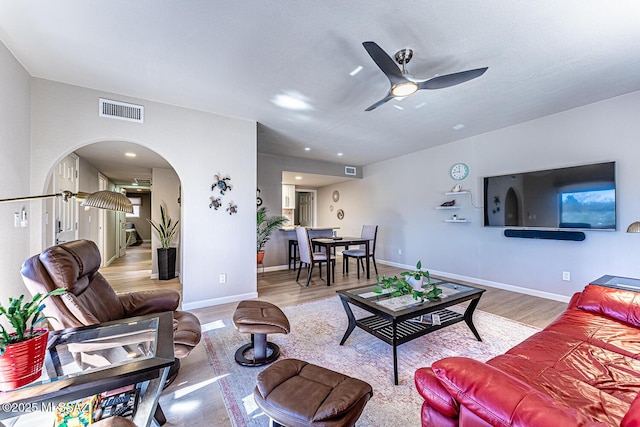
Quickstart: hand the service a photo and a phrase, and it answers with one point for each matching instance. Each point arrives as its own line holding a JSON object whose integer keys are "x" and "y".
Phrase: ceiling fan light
{"x": 404, "y": 89}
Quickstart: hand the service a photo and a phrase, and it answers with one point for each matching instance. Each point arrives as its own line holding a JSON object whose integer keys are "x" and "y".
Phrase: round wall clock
{"x": 459, "y": 171}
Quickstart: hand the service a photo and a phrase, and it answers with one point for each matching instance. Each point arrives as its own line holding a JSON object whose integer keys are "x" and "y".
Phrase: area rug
{"x": 316, "y": 331}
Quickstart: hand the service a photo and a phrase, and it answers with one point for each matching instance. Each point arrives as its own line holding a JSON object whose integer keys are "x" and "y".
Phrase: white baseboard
{"x": 217, "y": 301}
{"x": 497, "y": 285}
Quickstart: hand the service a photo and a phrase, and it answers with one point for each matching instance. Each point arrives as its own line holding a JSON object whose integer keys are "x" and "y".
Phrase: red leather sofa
{"x": 581, "y": 370}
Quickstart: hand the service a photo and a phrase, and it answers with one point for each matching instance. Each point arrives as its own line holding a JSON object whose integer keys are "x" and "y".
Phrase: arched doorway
{"x": 511, "y": 210}
{"x": 125, "y": 167}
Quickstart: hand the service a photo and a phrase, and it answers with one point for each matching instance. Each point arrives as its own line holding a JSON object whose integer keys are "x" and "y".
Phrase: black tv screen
{"x": 578, "y": 197}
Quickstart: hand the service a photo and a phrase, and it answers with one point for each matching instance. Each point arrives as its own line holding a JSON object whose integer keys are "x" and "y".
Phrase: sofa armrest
{"x": 434, "y": 393}
{"x": 500, "y": 399}
{"x": 147, "y": 302}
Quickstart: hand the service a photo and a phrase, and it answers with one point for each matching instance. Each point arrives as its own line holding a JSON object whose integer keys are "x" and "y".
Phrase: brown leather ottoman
{"x": 299, "y": 394}
{"x": 259, "y": 318}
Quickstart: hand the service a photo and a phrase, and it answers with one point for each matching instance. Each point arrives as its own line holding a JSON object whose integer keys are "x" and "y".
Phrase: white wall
{"x": 14, "y": 164}
{"x": 198, "y": 145}
{"x": 401, "y": 194}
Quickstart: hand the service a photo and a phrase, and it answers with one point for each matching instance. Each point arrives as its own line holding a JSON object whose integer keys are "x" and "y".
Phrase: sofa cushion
{"x": 606, "y": 370}
{"x": 615, "y": 303}
{"x": 564, "y": 390}
{"x": 502, "y": 400}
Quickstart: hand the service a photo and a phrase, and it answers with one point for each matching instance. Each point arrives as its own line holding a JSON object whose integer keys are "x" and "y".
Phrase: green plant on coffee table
{"x": 401, "y": 285}
{"x": 23, "y": 316}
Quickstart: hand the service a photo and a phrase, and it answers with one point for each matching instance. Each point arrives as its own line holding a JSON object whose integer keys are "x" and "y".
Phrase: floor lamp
{"x": 105, "y": 199}
{"x": 634, "y": 227}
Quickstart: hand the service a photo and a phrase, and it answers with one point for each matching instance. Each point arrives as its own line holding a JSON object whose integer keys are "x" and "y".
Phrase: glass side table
{"x": 85, "y": 361}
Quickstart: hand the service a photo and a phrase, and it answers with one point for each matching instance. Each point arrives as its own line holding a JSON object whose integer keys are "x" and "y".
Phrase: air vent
{"x": 349, "y": 170}
{"x": 144, "y": 182}
{"x": 121, "y": 110}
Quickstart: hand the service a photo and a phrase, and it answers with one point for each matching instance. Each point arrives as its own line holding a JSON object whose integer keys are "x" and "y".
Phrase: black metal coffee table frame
{"x": 394, "y": 327}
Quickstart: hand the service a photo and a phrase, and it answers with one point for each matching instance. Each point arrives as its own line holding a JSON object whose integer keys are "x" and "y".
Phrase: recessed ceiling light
{"x": 130, "y": 154}
{"x": 292, "y": 101}
{"x": 298, "y": 178}
{"x": 339, "y": 154}
{"x": 307, "y": 149}
{"x": 356, "y": 70}
{"x": 459, "y": 126}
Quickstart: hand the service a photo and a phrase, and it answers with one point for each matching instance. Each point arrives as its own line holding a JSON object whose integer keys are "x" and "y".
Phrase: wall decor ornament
{"x": 335, "y": 196}
{"x": 215, "y": 202}
{"x": 340, "y": 214}
{"x": 258, "y": 198}
{"x": 232, "y": 208}
{"x": 221, "y": 184}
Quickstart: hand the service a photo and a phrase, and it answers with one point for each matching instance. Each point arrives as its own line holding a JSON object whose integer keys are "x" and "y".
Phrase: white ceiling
{"x": 235, "y": 58}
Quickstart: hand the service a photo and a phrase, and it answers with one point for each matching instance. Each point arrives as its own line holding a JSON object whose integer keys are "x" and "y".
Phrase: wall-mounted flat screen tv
{"x": 578, "y": 197}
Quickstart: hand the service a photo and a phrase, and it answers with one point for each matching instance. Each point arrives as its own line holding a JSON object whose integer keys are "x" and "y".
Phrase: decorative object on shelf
{"x": 265, "y": 226}
{"x": 456, "y": 188}
{"x": 496, "y": 202}
{"x": 215, "y": 202}
{"x": 22, "y": 351}
{"x": 410, "y": 282}
{"x": 340, "y": 214}
{"x": 232, "y": 209}
{"x": 258, "y": 198}
{"x": 221, "y": 184}
{"x": 166, "y": 230}
{"x": 335, "y": 196}
{"x": 459, "y": 171}
{"x": 449, "y": 203}
{"x": 330, "y": 208}
{"x": 454, "y": 217}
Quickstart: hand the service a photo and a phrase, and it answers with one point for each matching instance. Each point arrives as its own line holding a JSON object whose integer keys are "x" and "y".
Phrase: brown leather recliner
{"x": 90, "y": 299}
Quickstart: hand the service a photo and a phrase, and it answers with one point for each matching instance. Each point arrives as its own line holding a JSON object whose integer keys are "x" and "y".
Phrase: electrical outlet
{"x": 223, "y": 278}
{"x": 566, "y": 276}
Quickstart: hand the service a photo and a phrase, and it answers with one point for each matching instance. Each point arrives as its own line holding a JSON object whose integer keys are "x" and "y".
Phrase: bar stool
{"x": 293, "y": 253}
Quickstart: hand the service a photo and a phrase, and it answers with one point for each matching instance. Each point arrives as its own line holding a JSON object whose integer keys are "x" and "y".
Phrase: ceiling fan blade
{"x": 447, "y": 80}
{"x": 381, "y": 102}
{"x": 384, "y": 61}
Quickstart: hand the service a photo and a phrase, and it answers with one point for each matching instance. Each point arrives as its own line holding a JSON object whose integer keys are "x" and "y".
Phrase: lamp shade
{"x": 109, "y": 200}
{"x": 634, "y": 227}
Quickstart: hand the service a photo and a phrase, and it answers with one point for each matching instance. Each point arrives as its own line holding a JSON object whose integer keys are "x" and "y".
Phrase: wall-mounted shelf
{"x": 447, "y": 207}
{"x": 456, "y": 220}
{"x": 455, "y": 193}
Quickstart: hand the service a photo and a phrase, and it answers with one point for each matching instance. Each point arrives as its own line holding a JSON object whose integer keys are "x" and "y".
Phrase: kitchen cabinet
{"x": 288, "y": 196}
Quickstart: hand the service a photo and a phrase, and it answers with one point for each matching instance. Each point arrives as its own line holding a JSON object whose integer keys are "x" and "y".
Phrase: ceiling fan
{"x": 404, "y": 84}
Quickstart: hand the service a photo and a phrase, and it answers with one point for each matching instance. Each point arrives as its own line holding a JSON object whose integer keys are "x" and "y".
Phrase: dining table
{"x": 330, "y": 243}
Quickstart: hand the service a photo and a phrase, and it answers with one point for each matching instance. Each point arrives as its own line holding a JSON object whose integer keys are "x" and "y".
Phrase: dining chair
{"x": 369, "y": 232}
{"x": 309, "y": 257}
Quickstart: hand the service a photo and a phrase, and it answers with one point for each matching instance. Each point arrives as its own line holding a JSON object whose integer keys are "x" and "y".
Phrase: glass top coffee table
{"x": 85, "y": 361}
{"x": 397, "y": 320}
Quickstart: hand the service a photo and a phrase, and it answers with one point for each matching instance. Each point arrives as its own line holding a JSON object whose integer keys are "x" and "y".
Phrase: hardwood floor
{"x": 194, "y": 399}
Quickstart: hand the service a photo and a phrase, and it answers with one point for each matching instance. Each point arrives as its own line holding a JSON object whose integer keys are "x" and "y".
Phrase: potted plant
{"x": 265, "y": 226}
{"x": 22, "y": 351}
{"x": 410, "y": 282}
{"x": 166, "y": 229}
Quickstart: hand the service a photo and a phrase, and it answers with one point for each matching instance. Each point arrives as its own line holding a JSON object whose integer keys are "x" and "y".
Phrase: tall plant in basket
{"x": 22, "y": 351}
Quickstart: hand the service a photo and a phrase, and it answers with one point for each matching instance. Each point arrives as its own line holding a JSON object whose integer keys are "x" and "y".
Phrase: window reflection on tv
{"x": 578, "y": 197}
{"x": 588, "y": 209}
